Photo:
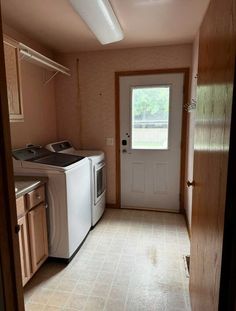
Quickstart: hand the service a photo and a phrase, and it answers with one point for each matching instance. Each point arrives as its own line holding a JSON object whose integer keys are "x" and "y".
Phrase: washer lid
{"x": 65, "y": 146}
{"x": 30, "y": 153}
{"x": 41, "y": 155}
{"x": 59, "y": 159}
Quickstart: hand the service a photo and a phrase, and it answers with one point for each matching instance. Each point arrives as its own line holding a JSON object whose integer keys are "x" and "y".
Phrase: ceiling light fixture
{"x": 100, "y": 18}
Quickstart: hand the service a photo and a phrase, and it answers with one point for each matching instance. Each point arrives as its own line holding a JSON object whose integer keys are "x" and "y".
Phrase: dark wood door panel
{"x": 11, "y": 283}
{"x": 213, "y": 119}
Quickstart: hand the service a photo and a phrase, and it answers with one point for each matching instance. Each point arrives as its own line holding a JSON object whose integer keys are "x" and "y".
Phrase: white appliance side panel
{"x": 79, "y": 204}
{"x": 57, "y": 209}
{"x": 58, "y": 217}
{"x": 98, "y": 209}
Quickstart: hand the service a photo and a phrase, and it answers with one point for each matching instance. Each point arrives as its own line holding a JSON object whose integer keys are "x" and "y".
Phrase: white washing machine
{"x": 68, "y": 192}
{"x": 98, "y": 175}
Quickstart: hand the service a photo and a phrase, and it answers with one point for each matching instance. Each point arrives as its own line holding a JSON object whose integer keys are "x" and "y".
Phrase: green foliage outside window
{"x": 150, "y": 103}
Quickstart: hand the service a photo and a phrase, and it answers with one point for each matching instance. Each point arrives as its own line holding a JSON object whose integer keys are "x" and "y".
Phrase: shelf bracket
{"x": 49, "y": 79}
{"x": 22, "y": 57}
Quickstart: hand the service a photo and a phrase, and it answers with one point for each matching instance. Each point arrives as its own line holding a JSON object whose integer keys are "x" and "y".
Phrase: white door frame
{"x": 119, "y": 74}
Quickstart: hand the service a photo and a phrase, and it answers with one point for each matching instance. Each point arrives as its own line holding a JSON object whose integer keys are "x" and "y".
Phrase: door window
{"x": 150, "y": 117}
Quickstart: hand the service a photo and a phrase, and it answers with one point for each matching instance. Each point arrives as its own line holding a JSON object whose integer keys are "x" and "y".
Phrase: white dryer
{"x": 97, "y": 174}
{"x": 68, "y": 194}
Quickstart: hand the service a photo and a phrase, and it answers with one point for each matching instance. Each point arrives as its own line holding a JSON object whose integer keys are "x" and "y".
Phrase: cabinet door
{"x": 38, "y": 236}
{"x": 12, "y": 63}
{"x": 24, "y": 249}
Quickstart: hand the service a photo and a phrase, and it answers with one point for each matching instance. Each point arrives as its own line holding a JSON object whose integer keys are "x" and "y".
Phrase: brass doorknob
{"x": 190, "y": 183}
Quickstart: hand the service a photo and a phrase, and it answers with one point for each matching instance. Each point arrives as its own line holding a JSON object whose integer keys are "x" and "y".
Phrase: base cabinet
{"x": 33, "y": 240}
{"x": 38, "y": 236}
{"x": 24, "y": 250}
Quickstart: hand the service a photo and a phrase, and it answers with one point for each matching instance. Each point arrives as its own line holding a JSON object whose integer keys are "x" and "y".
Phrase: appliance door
{"x": 100, "y": 180}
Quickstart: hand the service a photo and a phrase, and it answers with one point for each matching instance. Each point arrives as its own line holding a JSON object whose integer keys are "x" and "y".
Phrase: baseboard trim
{"x": 144, "y": 209}
{"x": 108, "y": 205}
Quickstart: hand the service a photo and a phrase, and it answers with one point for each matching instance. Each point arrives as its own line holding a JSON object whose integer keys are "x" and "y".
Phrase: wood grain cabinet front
{"x": 38, "y": 236}
{"x": 33, "y": 240}
{"x": 13, "y": 78}
{"x": 20, "y": 206}
{"x": 24, "y": 250}
{"x": 35, "y": 197}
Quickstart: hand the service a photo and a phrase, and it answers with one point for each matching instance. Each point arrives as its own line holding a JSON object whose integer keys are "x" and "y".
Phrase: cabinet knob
{"x": 38, "y": 196}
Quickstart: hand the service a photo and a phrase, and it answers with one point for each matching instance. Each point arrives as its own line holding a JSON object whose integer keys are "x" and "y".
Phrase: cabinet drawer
{"x": 35, "y": 197}
{"x": 20, "y": 206}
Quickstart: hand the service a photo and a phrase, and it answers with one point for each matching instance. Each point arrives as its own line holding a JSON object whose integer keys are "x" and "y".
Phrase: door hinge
{"x": 17, "y": 229}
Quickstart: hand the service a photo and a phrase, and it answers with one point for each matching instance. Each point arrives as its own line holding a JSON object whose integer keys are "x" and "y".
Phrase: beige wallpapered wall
{"x": 86, "y": 115}
{"x": 39, "y": 125}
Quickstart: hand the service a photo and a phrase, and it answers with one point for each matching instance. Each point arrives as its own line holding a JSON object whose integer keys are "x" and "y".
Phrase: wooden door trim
{"x": 9, "y": 244}
{"x": 120, "y": 74}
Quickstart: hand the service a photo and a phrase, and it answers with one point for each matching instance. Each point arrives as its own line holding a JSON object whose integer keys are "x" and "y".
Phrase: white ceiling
{"x": 55, "y": 24}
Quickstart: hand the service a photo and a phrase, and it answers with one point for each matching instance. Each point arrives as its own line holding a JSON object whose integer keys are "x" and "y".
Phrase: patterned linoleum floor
{"x": 132, "y": 260}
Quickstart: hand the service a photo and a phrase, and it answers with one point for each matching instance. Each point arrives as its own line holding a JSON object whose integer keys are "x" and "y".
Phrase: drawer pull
{"x": 35, "y": 197}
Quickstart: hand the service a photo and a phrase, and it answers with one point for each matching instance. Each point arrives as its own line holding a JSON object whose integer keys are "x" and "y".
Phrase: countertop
{"x": 25, "y": 184}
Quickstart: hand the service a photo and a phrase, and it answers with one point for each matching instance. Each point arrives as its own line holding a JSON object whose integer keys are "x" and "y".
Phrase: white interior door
{"x": 150, "y": 131}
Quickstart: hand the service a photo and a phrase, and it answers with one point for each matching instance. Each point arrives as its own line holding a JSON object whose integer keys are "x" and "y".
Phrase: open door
{"x": 217, "y": 48}
{"x": 11, "y": 290}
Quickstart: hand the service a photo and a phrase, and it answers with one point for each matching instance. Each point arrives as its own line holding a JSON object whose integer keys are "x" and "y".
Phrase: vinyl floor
{"x": 131, "y": 261}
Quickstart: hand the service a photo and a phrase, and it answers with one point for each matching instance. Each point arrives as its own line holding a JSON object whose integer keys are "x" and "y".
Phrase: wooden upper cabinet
{"x": 13, "y": 77}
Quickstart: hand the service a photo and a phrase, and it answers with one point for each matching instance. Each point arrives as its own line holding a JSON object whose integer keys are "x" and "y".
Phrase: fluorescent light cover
{"x": 100, "y": 18}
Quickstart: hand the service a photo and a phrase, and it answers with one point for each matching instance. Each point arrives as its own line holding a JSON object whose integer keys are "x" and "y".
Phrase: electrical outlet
{"x": 109, "y": 141}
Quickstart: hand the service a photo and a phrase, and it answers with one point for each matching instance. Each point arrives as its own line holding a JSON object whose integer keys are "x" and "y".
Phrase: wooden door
{"x": 11, "y": 289}
{"x": 150, "y": 130}
{"x": 24, "y": 249}
{"x": 38, "y": 236}
{"x": 213, "y": 119}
